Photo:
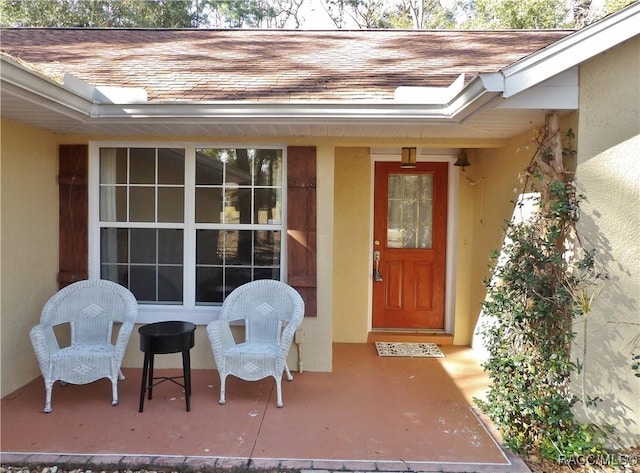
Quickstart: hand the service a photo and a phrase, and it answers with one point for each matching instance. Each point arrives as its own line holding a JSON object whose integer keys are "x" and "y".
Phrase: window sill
{"x": 160, "y": 313}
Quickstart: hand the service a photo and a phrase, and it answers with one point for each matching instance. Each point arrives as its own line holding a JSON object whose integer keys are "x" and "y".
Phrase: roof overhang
{"x": 546, "y": 80}
{"x": 74, "y": 107}
{"x": 77, "y": 100}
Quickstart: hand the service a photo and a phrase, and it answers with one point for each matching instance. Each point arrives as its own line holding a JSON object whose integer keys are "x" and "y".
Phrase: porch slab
{"x": 369, "y": 414}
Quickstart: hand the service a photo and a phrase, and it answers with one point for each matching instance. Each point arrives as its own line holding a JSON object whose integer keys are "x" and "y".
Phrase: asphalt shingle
{"x": 270, "y": 65}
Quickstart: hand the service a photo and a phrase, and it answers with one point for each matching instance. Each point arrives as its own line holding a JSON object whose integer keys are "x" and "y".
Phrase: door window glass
{"x": 410, "y": 211}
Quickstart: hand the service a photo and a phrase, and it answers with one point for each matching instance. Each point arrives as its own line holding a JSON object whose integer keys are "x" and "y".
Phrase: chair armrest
{"x": 285, "y": 341}
{"x": 220, "y": 337}
{"x": 124, "y": 333}
{"x": 44, "y": 343}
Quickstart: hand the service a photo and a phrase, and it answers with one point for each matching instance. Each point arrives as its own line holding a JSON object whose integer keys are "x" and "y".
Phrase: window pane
{"x": 235, "y": 277}
{"x": 237, "y": 247}
{"x": 209, "y": 205}
{"x": 209, "y": 285}
{"x": 115, "y": 273}
{"x": 238, "y": 167}
{"x": 170, "y": 283}
{"x": 170, "y": 246}
{"x": 170, "y": 204}
{"x": 209, "y": 166}
{"x": 113, "y": 204}
{"x": 267, "y": 209}
{"x": 143, "y": 245}
{"x": 142, "y": 165}
{"x": 267, "y": 248}
{"x": 268, "y": 165}
{"x": 170, "y": 166}
{"x": 207, "y": 247}
{"x": 395, "y": 187}
{"x": 237, "y": 206}
{"x": 142, "y": 283}
{"x": 113, "y": 165}
{"x": 266, "y": 273}
{"x": 142, "y": 204}
{"x": 114, "y": 245}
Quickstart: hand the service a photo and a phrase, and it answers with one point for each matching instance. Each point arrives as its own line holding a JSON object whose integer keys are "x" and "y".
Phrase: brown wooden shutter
{"x": 73, "y": 192}
{"x": 301, "y": 224}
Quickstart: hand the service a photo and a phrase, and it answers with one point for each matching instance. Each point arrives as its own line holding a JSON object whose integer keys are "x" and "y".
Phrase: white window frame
{"x": 188, "y": 310}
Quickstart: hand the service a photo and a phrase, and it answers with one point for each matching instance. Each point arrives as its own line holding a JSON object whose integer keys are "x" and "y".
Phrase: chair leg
{"x": 279, "y": 391}
{"x": 120, "y": 375}
{"x": 289, "y": 375}
{"x": 47, "y": 402}
{"x": 114, "y": 391}
{"x": 223, "y": 380}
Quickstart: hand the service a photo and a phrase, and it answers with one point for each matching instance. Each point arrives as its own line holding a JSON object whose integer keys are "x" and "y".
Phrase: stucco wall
{"x": 609, "y": 176}
{"x": 29, "y": 229}
{"x": 351, "y": 272}
{"x": 493, "y": 179}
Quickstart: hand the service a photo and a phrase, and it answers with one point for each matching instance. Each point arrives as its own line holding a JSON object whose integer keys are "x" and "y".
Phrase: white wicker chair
{"x": 91, "y": 308}
{"x": 272, "y": 311}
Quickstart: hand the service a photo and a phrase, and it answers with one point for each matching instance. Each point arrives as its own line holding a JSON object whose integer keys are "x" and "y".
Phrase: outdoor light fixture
{"x": 463, "y": 159}
{"x": 408, "y": 158}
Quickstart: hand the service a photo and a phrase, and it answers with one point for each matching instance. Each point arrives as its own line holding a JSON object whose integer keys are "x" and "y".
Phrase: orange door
{"x": 410, "y": 234}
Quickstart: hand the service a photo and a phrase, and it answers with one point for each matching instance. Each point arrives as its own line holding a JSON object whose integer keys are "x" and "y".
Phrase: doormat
{"x": 413, "y": 350}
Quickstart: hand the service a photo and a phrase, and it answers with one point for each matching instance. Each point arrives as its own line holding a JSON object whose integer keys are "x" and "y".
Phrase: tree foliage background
{"x": 294, "y": 14}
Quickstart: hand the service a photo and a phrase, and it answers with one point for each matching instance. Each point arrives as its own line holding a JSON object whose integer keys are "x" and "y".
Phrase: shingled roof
{"x": 271, "y": 65}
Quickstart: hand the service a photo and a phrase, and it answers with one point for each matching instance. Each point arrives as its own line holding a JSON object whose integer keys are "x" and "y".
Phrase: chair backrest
{"x": 266, "y": 306}
{"x": 90, "y": 307}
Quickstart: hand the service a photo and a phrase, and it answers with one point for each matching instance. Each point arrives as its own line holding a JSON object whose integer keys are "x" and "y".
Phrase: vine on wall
{"x": 531, "y": 300}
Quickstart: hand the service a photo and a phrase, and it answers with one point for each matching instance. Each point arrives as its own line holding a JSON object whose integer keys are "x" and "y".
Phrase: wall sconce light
{"x": 463, "y": 159}
{"x": 408, "y": 158}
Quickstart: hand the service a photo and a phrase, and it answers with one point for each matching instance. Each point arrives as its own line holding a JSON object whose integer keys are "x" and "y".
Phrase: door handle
{"x": 377, "y": 276}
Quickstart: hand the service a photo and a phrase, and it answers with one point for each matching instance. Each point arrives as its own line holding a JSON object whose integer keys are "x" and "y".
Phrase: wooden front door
{"x": 410, "y": 235}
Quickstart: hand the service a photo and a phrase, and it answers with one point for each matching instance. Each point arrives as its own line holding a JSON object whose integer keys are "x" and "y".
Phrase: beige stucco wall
{"x": 29, "y": 244}
{"x": 609, "y": 176}
{"x": 352, "y": 224}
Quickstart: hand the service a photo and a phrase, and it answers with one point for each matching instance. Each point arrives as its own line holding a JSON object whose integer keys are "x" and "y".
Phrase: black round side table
{"x": 166, "y": 337}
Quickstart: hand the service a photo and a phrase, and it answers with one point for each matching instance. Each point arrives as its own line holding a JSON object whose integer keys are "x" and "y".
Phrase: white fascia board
{"x": 255, "y": 112}
{"x": 561, "y": 92}
{"x": 482, "y": 89}
{"x": 572, "y": 50}
{"x": 24, "y": 83}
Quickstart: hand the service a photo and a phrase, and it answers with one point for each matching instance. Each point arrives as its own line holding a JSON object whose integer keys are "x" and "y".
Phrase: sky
{"x": 316, "y": 17}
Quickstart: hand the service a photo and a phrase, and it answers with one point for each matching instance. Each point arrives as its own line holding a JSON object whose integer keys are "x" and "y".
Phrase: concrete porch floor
{"x": 369, "y": 414}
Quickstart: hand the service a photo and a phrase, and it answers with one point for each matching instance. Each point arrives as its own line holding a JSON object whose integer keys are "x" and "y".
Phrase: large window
{"x": 184, "y": 226}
